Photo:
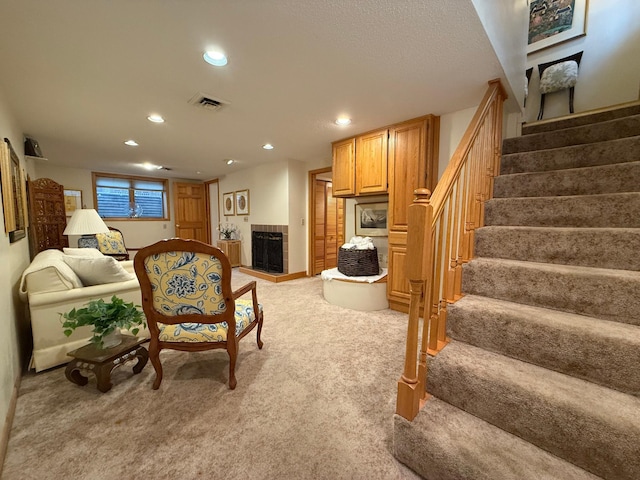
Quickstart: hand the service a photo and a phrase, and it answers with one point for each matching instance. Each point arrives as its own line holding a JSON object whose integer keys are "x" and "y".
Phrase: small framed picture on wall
{"x": 242, "y": 202}
{"x": 371, "y": 219}
{"x": 228, "y": 204}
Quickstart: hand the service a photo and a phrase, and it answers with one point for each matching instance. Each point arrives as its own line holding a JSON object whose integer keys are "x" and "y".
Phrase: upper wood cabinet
{"x": 371, "y": 163}
{"x": 413, "y": 163}
{"x": 344, "y": 168}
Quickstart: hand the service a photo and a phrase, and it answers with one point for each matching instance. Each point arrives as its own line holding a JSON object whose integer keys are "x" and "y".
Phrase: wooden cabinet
{"x": 360, "y": 165}
{"x": 397, "y": 160}
{"x": 344, "y": 168}
{"x": 371, "y": 163}
{"x": 413, "y": 163}
{"x": 231, "y": 249}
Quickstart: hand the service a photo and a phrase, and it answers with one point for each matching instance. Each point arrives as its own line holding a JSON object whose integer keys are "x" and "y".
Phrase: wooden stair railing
{"x": 440, "y": 239}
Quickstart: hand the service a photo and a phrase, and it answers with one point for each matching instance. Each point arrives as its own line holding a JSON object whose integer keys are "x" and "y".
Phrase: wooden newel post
{"x": 417, "y": 267}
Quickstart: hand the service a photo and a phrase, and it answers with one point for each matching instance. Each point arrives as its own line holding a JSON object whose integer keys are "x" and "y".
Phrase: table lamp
{"x": 86, "y": 222}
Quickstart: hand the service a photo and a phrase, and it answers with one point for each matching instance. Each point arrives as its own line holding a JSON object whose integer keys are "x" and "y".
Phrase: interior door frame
{"x": 207, "y": 200}
{"x": 312, "y": 217}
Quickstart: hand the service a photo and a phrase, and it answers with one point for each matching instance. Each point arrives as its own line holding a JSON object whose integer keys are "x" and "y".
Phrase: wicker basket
{"x": 358, "y": 263}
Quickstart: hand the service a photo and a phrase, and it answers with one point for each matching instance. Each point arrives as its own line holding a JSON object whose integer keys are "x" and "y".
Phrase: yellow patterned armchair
{"x": 189, "y": 304}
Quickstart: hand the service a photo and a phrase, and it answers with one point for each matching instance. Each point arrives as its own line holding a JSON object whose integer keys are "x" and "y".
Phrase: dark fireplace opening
{"x": 266, "y": 251}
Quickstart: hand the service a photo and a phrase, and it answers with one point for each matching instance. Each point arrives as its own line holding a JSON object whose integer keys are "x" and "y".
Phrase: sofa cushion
{"x": 96, "y": 271}
{"x": 48, "y": 273}
{"x": 83, "y": 252}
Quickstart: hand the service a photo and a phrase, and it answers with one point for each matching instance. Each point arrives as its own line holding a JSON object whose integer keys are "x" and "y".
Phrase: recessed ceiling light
{"x": 267, "y": 146}
{"x": 155, "y": 118}
{"x": 215, "y": 58}
{"x": 151, "y": 166}
{"x": 343, "y": 121}
{"x": 229, "y": 161}
{"x": 131, "y": 143}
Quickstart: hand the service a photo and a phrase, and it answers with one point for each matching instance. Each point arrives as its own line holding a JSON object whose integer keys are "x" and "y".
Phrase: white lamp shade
{"x": 85, "y": 221}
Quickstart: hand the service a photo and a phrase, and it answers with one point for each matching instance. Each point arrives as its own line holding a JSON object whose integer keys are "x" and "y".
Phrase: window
{"x": 119, "y": 196}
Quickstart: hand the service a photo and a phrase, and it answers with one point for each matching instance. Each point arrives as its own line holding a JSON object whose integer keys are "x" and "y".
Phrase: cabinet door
{"x": 407, "y": 166}
{"x": 344, "y": 172}
{"x": 371, "y": 163}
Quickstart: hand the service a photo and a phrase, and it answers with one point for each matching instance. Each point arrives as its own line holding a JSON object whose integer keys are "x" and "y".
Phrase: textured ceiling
{"x": 82, "y": 76}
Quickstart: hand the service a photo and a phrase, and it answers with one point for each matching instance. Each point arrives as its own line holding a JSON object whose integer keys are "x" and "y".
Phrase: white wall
{"x": 452, "y": 128}
{"x": 268, "y": 186}
{"x": 506, "y": 23}
{"x": 14, "y": 257}
{"x": 610, "y": 67}
{"x": 138, "y": 233}
{"x": 298, "y": 224}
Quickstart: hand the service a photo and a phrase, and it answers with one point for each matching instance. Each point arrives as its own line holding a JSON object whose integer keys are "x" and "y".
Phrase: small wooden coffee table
{"x": 101, "y": 362}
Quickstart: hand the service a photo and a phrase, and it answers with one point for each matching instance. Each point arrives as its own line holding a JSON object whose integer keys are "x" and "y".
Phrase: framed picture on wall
{"x": 72, "y": 201}
{"x": 371, "y": 219}
{"x": 14, "y": 193}
{"x": 242, "y": 202}
{"x": 555, "y": 22}
{"x": 228, "y": 204}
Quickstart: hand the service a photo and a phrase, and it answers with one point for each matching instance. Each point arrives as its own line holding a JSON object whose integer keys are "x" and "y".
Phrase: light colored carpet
{"x": 316, "y": 403}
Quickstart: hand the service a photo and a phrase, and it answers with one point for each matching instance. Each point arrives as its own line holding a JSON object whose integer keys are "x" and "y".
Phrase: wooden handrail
{"x": 440, "y": 239}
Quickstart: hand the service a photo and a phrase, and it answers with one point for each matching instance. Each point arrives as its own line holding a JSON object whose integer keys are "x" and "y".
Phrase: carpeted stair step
{"x": 593, "y": 427}
{"x": 590, "y": 247}
{"x": 446, "y": 443}
{"x": 577, "y": 156}
{"x": 580, "y": 119}
{"x": 616, "y": 210}
{"x": 596, "y": 292}
{"x": 603, "y": 352}
{"x": 616, "y": 178}
{"x": 600, "y": 132}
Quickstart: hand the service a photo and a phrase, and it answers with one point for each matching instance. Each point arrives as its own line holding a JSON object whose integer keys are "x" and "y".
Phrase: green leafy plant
{"x": 104, "y": 317}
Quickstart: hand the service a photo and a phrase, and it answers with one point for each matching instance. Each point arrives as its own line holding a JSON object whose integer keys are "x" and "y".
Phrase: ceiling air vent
{"x": 207, "y": 102}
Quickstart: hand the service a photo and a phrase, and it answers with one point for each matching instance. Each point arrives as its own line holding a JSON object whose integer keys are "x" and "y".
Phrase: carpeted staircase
{"x": 541, "y": 379}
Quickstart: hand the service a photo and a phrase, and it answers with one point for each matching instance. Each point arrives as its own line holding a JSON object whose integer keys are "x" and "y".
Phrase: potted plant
{"x": 107, "y": 318}
{"x": 227, "y": 231}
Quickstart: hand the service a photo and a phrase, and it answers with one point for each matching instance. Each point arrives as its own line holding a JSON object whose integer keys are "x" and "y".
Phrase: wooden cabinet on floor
{"x": 231, "y": 249}
{"x": 413, "y": 163}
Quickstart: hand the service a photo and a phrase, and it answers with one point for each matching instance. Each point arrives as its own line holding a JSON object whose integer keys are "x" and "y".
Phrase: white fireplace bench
{"x": 356, "y": 293}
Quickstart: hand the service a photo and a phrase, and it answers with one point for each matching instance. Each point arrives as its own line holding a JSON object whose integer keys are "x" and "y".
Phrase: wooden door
{"x": 191, "y": 211}
{"x": 328, "y": 231}
{"x": 371, "y": 163}
{"x": 344, "y": 168}
{"x": 46, "y": 215}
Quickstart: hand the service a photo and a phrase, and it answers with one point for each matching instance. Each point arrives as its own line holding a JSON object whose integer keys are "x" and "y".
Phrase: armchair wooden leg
{"x": 259, "y": 334}
{"x": 541, "y": 106}
{"x": 571, "y": 99}
{"x": 232, "y": 350}
{"x": 154, "y": 356}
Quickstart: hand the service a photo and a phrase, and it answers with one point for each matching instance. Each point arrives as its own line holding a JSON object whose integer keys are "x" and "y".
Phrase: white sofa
{"x": 51, "y": 287}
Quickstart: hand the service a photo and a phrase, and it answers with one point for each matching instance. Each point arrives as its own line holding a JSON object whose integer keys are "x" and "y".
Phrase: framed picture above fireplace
{"x": 228, "y": 204}
{"x": 242, "y": 202}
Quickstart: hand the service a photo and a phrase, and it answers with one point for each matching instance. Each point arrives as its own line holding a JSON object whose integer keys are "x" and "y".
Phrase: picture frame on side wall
{"x": 228, "y": 204}
{"x": 72, "y": 201}
{"x": 14, "y": 193}
{"x": 371, "y": 219}
{"x": 551, "y": 23}
{"x": 242, "y": 202}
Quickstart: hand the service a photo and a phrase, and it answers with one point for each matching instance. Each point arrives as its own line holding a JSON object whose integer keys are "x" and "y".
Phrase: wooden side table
{"x": 102, "y": 361}
{"x": 231, "y": 249}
